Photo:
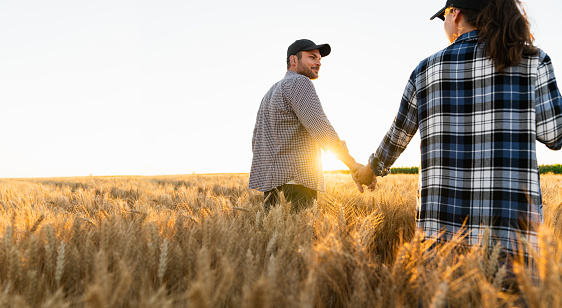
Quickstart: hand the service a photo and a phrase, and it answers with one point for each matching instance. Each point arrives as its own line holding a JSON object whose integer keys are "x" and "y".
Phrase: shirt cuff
{"x": 378, "y": 166}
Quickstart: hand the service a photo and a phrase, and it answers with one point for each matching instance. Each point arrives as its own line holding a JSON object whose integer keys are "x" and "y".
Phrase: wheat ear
{"x": 163, "y": 262}
{"x": 60, "y": 263}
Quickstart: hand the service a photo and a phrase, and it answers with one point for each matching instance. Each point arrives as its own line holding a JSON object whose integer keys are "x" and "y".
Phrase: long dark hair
{"x": 504, "y": 32}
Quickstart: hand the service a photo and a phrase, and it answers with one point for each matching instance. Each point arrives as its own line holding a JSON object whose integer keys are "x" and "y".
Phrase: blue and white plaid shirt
{"x": 478, "y": 130}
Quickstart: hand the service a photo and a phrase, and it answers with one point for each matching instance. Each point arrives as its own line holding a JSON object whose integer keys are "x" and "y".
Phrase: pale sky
{"x": 172, "y": 87}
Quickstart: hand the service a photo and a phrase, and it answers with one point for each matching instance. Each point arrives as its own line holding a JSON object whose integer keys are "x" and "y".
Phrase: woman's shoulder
{"x": 539, "y": 57}
{"x": 433, "y": 60}
{"x": 542, "y": 55}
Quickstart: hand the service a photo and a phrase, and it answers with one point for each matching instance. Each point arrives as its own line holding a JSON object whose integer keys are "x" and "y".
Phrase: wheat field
{"x": 204, "y": 241}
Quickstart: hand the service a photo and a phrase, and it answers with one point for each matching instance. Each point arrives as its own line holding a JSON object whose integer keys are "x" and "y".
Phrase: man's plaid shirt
{"x": 291, "y": 127}
{"x": 478, "y": 130}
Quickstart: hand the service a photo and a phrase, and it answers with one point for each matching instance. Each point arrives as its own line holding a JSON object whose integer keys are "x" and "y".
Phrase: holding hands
{"x": 366, "y": 176}
{"x": 363, "y": 175}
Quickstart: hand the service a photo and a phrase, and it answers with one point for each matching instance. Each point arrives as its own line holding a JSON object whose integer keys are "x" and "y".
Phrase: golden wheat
{"x": 204, "y": 241}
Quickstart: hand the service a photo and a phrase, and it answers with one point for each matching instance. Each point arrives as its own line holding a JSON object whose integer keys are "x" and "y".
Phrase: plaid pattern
{"x": 291, "y": 127}
{"x": 478, "y": 130}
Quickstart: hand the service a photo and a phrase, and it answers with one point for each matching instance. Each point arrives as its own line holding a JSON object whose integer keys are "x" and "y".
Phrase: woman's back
{"x": 478, "y": 130}
{"x": 480, "y": 105}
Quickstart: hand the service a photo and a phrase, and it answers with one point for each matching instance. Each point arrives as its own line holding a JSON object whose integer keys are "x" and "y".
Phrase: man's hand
{"x": 373, "y": 184}
{"x": 361, "y": 175}
{"x": 365, "y": 176}
{"x": 354, "y": 168}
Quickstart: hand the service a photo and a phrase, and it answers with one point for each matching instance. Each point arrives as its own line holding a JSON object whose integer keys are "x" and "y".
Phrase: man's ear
{"x": 293, "y": 59}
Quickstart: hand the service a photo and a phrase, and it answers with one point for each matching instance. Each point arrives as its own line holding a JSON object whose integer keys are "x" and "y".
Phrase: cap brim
{"x": 440, "y": 14}
{"x": 324, "y": 49}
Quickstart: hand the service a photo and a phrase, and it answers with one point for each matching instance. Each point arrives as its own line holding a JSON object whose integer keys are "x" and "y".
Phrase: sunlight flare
{"x": 330, "y": 162}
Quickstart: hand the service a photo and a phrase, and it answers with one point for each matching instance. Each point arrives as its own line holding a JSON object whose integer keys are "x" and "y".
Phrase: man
{"x": 291, "y": 127}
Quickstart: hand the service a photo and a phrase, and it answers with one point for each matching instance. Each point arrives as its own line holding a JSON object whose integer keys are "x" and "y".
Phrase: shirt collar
{"x": 290, "y": 73}
{"x": 469, "y": 36}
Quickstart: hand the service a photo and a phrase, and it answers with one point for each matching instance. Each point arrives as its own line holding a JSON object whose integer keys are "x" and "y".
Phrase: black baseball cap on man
{"x": 474, "y": 5}
{"x": 304, "y": 44}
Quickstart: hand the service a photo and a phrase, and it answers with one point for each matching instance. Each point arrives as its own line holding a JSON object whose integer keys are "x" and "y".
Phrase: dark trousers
{"x": 300, "y": 197}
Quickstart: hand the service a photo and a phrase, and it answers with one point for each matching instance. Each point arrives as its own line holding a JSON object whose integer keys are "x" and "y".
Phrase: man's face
{"x": 309, "y": 63}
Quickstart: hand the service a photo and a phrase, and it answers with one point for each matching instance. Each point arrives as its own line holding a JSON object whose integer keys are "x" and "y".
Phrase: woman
{"x": 479, "y": 104}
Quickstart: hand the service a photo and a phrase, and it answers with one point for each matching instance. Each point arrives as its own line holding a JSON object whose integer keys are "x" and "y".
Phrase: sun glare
{"x": 330, "y": 162}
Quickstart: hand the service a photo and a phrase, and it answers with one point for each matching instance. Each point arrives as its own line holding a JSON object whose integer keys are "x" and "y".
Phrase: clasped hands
{"x": 363, "y": 175}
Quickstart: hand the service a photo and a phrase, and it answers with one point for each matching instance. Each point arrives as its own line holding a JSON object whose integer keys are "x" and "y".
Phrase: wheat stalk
{"x": 37, "y": 223}
{"x": 14, "y": 266}
{"x": 190, "y": 248}
{"x": 440, "y": 298}
{"x": 163, "y": 262}
{"x": 59, "y": 269}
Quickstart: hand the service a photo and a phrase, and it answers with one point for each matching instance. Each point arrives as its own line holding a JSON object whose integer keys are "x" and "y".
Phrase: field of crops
{"x": 204, "y": 241}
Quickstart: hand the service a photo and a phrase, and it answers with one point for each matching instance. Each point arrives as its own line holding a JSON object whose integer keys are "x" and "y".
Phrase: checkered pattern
{"x": 291, "y": 127}
{"x": 478, "y": 130}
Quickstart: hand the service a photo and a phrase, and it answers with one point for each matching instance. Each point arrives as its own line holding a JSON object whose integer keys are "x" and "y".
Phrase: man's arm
{"x": 308, "y": 109}
{"x": 354, "y": 167}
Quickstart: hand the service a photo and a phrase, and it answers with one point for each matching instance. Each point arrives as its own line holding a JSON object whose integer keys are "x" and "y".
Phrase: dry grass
{"x": 204, "y": 241}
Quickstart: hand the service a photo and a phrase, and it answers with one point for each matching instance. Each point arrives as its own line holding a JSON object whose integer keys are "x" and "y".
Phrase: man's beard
{"x": 306, "y": 71}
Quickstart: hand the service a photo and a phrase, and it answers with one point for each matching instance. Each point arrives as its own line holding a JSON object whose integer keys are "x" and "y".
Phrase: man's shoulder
{"x": 293, "y": 79}
{"x": 289, "y": 81}
{"x": 291, "y": 75}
